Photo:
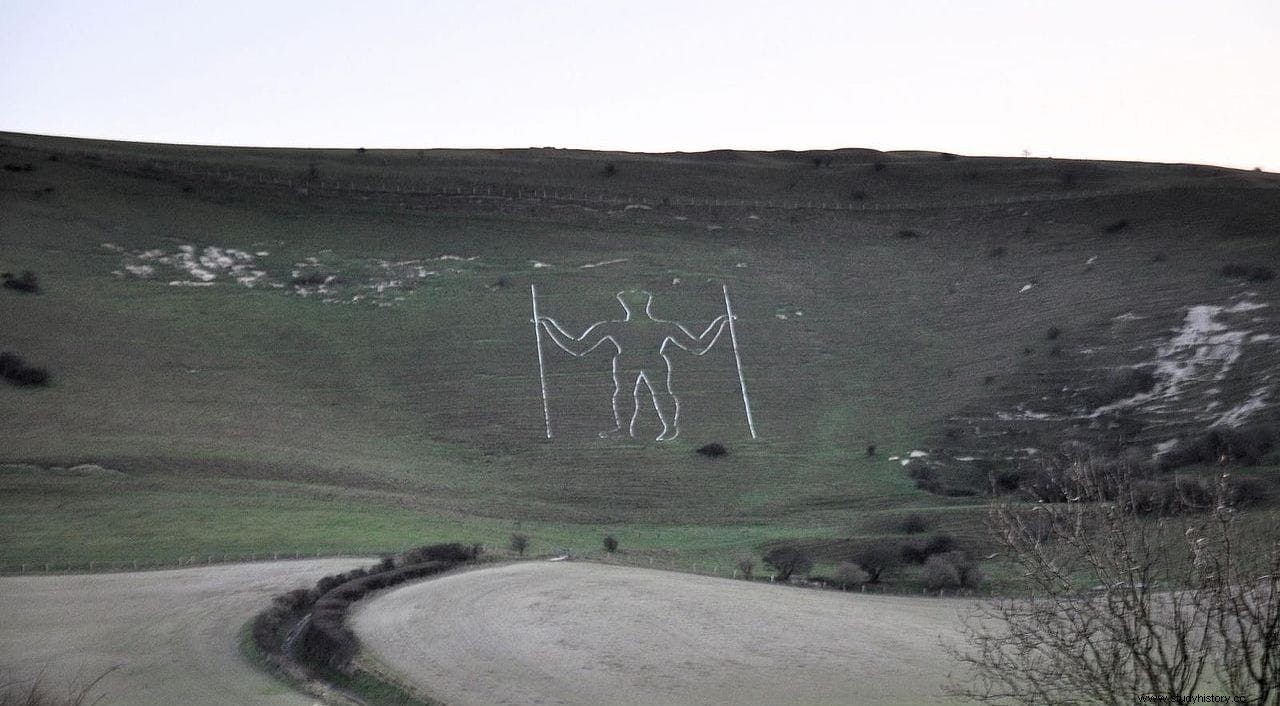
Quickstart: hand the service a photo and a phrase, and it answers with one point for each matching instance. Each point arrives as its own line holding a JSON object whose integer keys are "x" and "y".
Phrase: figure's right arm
{"x": 577, "y": 346}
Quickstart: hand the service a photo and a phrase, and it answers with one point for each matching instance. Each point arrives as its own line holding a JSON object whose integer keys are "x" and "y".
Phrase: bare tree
{"x": 1119, "y": 605}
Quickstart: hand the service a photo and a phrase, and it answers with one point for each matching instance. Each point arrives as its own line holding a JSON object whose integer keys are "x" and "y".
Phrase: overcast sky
{"x": 1156, "y": 80}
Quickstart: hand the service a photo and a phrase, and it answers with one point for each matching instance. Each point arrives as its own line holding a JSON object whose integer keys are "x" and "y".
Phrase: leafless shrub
{"x": 1118, "y": 605}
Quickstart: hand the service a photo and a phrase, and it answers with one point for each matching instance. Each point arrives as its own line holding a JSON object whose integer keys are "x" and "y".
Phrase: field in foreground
{"x": 581, "y": 633}
{"x": 172, "y": 636}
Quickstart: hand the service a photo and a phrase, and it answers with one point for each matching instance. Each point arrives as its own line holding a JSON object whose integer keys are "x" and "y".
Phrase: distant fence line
{"x": 396, "y": 187}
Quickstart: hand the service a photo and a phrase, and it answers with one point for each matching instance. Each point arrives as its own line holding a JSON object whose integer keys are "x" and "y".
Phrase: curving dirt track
{"x": 580, "y": 633}
{"x": 173, "y": 634}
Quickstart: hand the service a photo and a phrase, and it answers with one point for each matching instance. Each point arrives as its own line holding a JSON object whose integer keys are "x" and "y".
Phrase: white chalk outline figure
{"x": 648, "y": 372}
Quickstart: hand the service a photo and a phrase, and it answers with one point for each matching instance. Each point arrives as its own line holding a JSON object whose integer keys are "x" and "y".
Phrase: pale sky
{"x": 1152, "y": 80}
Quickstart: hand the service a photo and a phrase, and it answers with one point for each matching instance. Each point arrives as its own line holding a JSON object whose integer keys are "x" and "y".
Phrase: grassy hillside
{"x": 359, "y": 369}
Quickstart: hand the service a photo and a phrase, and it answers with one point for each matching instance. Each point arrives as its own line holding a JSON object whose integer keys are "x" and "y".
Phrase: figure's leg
{"x": 617, "y": 412}
{"x": 668, "y": 411}
{"x": 635, "y": 395}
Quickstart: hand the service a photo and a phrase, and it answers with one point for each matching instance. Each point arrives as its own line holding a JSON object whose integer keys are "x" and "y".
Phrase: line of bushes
{"x": 305, "y": 629}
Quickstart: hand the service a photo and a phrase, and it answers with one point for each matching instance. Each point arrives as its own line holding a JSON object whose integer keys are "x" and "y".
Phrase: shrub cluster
{"x": 951, "y": 570}
{"x": 1253, "y": 273}
{"x": 920, "y": 552}
{"x": 1245, "y": 445}
{"x": 26, "y": 282}
{"x": 15, "y": 371}
{"x": 325, "y": 642}
{"x": 25, "y": 167}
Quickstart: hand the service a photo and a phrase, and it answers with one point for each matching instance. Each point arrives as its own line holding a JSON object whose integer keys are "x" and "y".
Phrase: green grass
{"x": 258, "y": 421}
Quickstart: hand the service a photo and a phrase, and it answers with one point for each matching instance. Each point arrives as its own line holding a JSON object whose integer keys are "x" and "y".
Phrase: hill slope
{"x": 323, "y": 349}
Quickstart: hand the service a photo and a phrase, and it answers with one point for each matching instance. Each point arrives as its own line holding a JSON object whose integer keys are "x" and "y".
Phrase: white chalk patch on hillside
{"x": 1204, "y": 349}
{"x": 539, "y": 265}
{"x": 1025, "y": 288}
{"x": 591, "y": 265}
{"x": 1236, "y": 416}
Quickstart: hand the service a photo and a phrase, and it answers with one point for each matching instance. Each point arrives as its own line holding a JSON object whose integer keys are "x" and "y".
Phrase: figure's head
{"x": 633, "y": 300}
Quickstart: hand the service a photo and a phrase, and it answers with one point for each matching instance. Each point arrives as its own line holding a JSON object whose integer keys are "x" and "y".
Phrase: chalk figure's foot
{"x": 668, "y": 435}
{"x": 617, "y": 433}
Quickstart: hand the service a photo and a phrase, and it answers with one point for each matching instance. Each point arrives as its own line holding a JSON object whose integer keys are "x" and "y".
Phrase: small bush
{"x": 1053, "y": 333}
{"x": 1255, "y": 273}
{"x": 924, "y": 475}
{"x": 871, "y": 450}
{"x": 788, "y": 560}
{"x": 747, "y": 565}
{"x": 610, "y": 543}
{"x": 947, "y": 156}
{"x": 519, "y": 543}
{"x": 951, "y": 570}
{"x": 26, "y": 167}
{"x": 849, "y": 575}
{"x": 15, "y": 371}
{"x": 858, "y": 195}
{"x": 877, "y": 167}
{"x": 1116, "y": 226}
{"x": 914, "y": 523}
{"x": 610, "y": 169}
{"x": 908, "y": 233}
{"x": 27, "y": 282}
{"x": 940, "y": 574}
{"x": 998, "y": 251}
{"x": 713, "y": 450}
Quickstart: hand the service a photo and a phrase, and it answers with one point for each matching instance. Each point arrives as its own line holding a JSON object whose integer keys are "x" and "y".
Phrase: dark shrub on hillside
{"x": 1221, "y": 444}
{"x": 519, "y": 543}
{"x": 925, "y": 476}
{"x": 15, "y": 371}
{"x": 877, "y": 167}
{"x": 27, "y": 282}
{"x": 908, "y": 233}
{"x": 1116, "y": 226}
{"x": 452, "y": 551}
{"x": 1169, "y": 496}
{"x": 940, "y": 574}
{"x": 610, "y": 169}
{"x": 914, "y": 523}
{"x": 747, "y": 565}
{"x": 877, "y": 557}
{"x": 610, "y": 543}
{"x": 998, "y": 251}
{"x": 950, "y": 570}
{"x": 713, "y": 450}
{"x": 310, "y": 279}
{"x": 1247, "y": 492}
{"x": 1053, "y": 333}
{"x": 1254, "y": 273}
{"x": 27, "y": 167}
{"x": 1121, "y": 384}
{"x": 917, "y": 553}
{"x": 788, "y": 560}
{"x": 849, "y": 575}
{"x": 947, "y": 156}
